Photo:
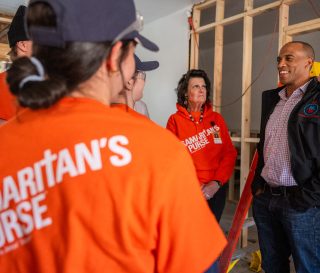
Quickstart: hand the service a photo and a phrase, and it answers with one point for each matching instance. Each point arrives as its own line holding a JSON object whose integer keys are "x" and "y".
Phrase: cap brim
{"x": 146, "y": 43}
{"x": 142, "y": 40}
{"x": 147, "y": 66}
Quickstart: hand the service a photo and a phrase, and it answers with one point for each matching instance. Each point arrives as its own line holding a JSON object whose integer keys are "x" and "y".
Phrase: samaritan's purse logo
{"x": 311, "y": 109}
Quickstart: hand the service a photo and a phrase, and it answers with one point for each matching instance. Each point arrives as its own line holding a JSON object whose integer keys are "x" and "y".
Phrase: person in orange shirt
{"x": 133, "y": 90}
{"x": 20, "y": 46}
{"x": 85, "y": 187}
{"x": 205, "y": 135}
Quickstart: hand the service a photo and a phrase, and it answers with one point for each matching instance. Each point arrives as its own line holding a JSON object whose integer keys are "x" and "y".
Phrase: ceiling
{"x": 150, "y": 9}
{"x": 155, "y": 9}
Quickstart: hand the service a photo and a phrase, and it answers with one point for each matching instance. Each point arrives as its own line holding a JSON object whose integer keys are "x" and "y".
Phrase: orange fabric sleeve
{"x": 7, "y": 100}
{"x": 171, "y": 125}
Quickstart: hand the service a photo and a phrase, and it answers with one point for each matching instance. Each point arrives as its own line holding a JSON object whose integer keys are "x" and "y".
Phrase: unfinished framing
{"x": 286, "y": 33}
{"x": 5, "y": 21}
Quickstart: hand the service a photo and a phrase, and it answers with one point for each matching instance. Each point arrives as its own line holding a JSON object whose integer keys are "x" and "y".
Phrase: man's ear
{"x": 21, "y": 46}
{"x": 113, "y": 58}
{"x": 310, "y": 63}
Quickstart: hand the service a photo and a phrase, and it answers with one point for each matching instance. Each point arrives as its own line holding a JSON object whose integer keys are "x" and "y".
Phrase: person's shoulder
{"x": 3, "y": 82}
{"x": 174, "y": 115}
{"x": 85, "y": 123}
{"x": 314, "y": 84}
{"x": 177, "y": 116}
{"x": 218, "y": 118}
{"x": 212, "y": 113}
{"x": 3, "y": 76}
{"x": 216, "y": 115}
{"x": 272, "y": 91}
{"x": 140, "y": 104}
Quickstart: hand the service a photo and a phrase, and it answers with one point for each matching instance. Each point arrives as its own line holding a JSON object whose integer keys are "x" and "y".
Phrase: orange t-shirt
{"x": 7, "y": 100}
{"x": 87, "y": 188}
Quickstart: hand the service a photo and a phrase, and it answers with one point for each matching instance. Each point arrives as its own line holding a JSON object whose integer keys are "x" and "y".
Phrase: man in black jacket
{"x": 286, "y": 187}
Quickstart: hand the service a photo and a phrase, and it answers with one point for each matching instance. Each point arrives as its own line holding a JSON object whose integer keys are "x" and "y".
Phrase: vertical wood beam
{"x": 246, "y": 99}
{"x": 194, "y": 36}
{"x": 218, "y": 56}
{"x": 246, "y": 102}
{"x": 4, "y": 49}
{"x": 283, "y": 23}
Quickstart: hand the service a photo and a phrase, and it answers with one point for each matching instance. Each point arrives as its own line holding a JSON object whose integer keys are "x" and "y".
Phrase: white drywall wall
{"x": 170, "y": 33}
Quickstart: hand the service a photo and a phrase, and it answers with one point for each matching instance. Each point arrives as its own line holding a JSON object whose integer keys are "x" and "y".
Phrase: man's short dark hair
{"x": 307, "y": 48}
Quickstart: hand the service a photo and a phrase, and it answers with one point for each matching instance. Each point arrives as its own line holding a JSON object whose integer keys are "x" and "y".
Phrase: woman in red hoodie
{"x": 205, "y": 135}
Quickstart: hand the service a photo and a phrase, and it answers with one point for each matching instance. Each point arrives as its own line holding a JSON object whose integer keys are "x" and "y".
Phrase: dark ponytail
{"x": 34, "y": 94}
{"x": 64, "y": 68}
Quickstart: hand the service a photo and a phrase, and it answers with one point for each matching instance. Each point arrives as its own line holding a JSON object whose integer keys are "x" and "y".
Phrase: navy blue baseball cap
{"x": 91, "y": 21}
{"x": 145, "y": 66}
{"x": 17, "y": 31}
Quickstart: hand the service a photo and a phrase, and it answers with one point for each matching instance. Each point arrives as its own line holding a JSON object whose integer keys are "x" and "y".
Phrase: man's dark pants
{"x": 285, "y": 231}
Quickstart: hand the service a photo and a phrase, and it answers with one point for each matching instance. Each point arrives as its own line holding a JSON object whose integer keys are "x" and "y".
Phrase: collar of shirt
{"x": 298, "y": 92}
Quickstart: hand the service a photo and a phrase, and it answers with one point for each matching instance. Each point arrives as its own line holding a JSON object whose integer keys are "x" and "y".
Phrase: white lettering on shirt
{"x": 23, "y": 195}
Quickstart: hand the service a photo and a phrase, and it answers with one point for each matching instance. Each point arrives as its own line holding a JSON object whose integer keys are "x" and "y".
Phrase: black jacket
{"x": 304, "y": 144}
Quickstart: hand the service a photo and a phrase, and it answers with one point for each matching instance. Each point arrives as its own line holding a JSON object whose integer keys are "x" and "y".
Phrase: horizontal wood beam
{"x": 251, "y": 139}
{"x": 240, "y": 16}
{"x": 224, "y": 22}
{"x": 271, "y": 6}
{"x": 236, "y": 139}
{"x": 4, "y": 19}
{"x": 206, "y": 4}
{"x": 301, "y": 28}
{"x": 246, "y": 139}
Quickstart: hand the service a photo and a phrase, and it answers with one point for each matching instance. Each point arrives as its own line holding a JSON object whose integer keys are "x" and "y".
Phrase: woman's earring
{"x": 186, "y": 100}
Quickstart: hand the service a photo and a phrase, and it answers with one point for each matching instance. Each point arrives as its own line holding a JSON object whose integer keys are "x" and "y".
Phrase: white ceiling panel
{"x": 150, "y": 9}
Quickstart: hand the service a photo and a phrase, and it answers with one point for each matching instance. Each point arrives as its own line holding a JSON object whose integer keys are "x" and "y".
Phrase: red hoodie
{"x": 208, "y": 142}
